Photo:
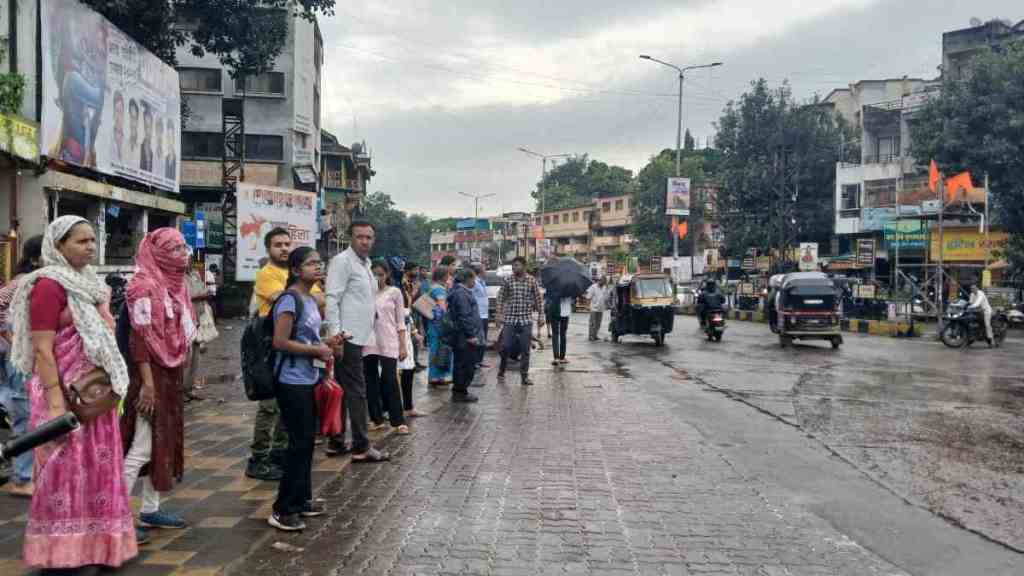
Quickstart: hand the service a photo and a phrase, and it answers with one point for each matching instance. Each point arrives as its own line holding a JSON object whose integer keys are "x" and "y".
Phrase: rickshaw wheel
{"x": 835, "y": 343}
{"x": 785, "y": 341}
{"x": 659, "y": 339}
{"x": 615, "y": 337}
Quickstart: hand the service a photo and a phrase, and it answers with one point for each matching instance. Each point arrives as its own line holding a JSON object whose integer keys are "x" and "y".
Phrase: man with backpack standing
{"x": 270, "y": 439}
{"x": 351, "y": 307}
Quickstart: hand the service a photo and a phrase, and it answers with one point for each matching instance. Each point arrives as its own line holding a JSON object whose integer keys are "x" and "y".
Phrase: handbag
{"x": 425, "y": 306}
{"x": 207, "y": 326}
{"x": 91, "y": 396}
{"x": 329, "y": 396}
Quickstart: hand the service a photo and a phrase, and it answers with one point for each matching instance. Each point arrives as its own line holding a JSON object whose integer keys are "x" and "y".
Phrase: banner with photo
{"x": 108, "y": 103}
{"x": 263, "y": 208}
{"x": 808, "y": 256}
{"x": 678, "y": 201}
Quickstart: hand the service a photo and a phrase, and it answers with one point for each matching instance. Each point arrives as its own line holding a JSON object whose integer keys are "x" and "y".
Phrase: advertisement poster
{"x": 263, "y": 208}
{"x": 808, "y": 256}
{"x": 967, "y": 244}
{"x": 108, "y": 104}
{"x": 866, "y": 252}
{"x": 678, "y": 201}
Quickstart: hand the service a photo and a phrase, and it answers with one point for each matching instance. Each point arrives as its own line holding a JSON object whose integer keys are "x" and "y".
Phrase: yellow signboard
{"x": 19, "y": 137}
{"x": 966, "y": 244}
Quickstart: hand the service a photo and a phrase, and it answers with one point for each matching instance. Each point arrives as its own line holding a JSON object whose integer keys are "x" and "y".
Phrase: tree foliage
{"x": 977, "y": 124}
{"x": 778, "y": 169}
{"x": 398, "y": 234}
{"x": 579, "y": 180}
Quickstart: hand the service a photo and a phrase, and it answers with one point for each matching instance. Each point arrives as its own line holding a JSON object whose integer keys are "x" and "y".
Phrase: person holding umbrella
{"x": 564, "y": 281}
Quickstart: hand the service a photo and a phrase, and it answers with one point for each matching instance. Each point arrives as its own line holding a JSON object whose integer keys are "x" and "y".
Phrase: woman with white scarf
{"x": 80, "y": 515}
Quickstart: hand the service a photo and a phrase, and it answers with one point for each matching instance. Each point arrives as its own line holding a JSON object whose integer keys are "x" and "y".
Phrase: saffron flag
{"x": 954, "y": 184}
{"x": 675, "y": 225}
{"x": 682, "y": 229}
{"x": 933, "y": 176}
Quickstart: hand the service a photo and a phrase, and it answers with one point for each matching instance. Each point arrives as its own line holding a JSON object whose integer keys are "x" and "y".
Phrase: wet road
{"x": 886, "y": 457}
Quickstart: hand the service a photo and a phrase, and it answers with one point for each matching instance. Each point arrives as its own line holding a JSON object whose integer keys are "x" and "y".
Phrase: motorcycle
{"x": 963, "y": 327}
{"x": 714, "y": 324}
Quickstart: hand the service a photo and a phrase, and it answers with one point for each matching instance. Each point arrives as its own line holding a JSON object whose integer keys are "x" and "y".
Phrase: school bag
{"x": 259, "y": 373}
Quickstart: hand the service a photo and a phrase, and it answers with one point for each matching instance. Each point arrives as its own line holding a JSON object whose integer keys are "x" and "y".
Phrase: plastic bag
{"x": 328, "y": 395}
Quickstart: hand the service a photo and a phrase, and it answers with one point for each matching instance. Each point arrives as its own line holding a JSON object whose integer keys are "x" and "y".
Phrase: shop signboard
{"x": 764, "y": 263}
{"x": 874, "y": 219}
{"x": 262, "y": 208}
{"x": 19, "y": 137}
{"x": 866, "y": 252}
{"x": 967, "y": 244}
{"x": 907, "y": 235}
{"x": 109, "y": 104}
{"x": 214, "y": 214}
{"x": 808, "y": 256}
{"x": 677, "y": 202}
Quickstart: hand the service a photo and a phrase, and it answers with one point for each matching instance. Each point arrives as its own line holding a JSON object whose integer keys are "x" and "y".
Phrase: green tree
{"x": 977, "y": 124}
{"x": 579, "y": 180}
{"x": 651, "y": 227}
{"x": 393, "y": 237}
{"x": 688, "y": 142}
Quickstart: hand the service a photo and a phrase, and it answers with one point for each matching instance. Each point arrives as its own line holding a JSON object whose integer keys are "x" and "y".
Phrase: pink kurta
{"x": 390, "y": 319}
{"x": 80, "y": 513}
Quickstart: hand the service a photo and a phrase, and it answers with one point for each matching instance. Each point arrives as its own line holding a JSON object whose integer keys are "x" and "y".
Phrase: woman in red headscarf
{"x": 161, "y": 337}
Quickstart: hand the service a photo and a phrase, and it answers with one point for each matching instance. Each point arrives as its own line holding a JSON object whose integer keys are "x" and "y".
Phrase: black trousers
{"x": 517, "y": 338}
{"x": 464, "y": 368}
{"x": 408, "y": 376}
{"x": 559, "y": 328}
{"x": 382, "y": 389}
{"x": 298, "y": 410}
{"x": 348, "y": 371}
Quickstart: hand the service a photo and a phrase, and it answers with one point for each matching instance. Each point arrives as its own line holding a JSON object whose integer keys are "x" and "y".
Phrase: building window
{"x": 537, "y": 221}
{"x": 888, "y": 148}
{"x": 606, "y": 207}
{"x": 547, "y": 220}
{"x": 267, "y": 83}
{"x": 555, "y": 221}
{"x": 575, "y": 217}
{"x": 201, "y": 145}
{"x": 200, "y": 79}
{"x": 880, "y": 193}
{"x": 618, "y": 205}
{"x": 264, "y": 147}
{"x": 850, "y": 197}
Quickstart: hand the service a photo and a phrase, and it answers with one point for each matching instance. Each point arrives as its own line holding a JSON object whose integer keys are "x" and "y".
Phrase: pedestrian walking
{"x": 298, "y": 363}
{"x": 387, "y": 347}
{"x": 197, "y": 293}
{"x": 351, "y": 305}
{"x": 13, "y": 393}
{"x": 270, "y": 436}
{"x": 162, "y": 335}
{"x": 483, "y": 304}
{"x": 598, "y": 294}
{"x": 80, "y": 514}
{"x": 439, "y": 364}
{"x": 520, "y": 299}
{"x": 558, "y": 310}
{"x": 465, "y": 337}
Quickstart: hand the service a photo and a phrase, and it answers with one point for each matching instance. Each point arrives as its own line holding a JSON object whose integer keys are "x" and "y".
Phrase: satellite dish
{"x": 975, "y": 22}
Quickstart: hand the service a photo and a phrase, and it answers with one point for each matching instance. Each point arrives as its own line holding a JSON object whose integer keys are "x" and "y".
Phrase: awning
{"x": 60, "y": 181}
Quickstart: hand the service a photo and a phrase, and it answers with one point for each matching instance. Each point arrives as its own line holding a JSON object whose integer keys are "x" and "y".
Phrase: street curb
{"x": 898, "y": 329}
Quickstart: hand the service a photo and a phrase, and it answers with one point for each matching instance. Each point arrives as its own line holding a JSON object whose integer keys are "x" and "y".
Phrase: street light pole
{"x": 679, "y": 150}
{"x": 476, "y": 215}
{"x": 541, "y": 188}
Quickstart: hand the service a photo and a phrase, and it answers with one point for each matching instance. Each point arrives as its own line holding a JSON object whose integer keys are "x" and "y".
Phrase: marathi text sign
{"x": 677, "y": 202}
{"x": 906, "y": 235}
{"x": 19, "y": 137}
{"x": 108, "y": 103}
{"x": 263, "y": 208}
{"x": 967, "y": 244}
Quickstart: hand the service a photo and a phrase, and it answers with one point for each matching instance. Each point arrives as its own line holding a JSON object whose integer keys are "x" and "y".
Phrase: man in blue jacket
{"x": 464, "y": 337}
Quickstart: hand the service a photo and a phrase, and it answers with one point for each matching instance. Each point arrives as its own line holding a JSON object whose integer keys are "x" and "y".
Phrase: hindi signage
{"x": 262, "y": 208}
{"x": 108, "y": 103}
{"x": 866, "y": 252}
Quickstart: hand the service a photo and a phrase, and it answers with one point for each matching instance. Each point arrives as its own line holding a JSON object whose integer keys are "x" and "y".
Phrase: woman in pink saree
{"x": 80, "y": 517}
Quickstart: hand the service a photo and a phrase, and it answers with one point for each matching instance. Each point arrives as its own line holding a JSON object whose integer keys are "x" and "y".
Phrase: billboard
{"x": 108, "y": 104}
{"x": 866, "y": 252}
{"x": 262, "y": 208}
{"x": 677, "y": 203}
{"x": 967, "y": 244}
{"x": 808, "y": 256}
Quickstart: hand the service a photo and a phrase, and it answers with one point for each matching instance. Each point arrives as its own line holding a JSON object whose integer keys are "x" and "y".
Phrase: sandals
{"x": 372, "y": 456}
{"x": 401, "y": 430}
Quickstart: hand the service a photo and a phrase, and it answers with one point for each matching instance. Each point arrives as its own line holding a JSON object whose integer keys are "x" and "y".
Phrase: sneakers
{"x": 289, "y": 523}
{"x": 464, "y": 398}
{"x": 161, "y": 519}
{"x": 526, "y": 381}
{"x": 313, "y": 508}
{"x": 336, "y": 448}
{"x": 141, "y": 536}
{"x": 263, "y": 470}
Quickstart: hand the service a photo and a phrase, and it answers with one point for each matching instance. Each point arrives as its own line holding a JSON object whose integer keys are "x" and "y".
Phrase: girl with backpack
{"x": 301, "y": 356}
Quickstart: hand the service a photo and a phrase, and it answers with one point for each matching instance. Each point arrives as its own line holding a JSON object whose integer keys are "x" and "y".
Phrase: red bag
{"x": 328, "y": 404}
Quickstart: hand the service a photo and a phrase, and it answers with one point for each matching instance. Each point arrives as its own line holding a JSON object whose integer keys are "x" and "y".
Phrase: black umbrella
{"x": 567, "y": 277}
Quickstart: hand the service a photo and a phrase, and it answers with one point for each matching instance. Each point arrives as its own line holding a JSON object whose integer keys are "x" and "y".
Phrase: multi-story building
{"x": 592, "y": 231}
{"x": 612, "y": 218}
{"x": 344, "y": 174}
{"x": 959, "y": 47}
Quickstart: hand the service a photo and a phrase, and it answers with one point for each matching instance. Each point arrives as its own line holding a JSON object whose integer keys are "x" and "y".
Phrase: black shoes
{"x": 336, "y": 448}
{"x": 263, "y": 469}
{"x": 289, "y": 523}
{"x": 464, "y": 398}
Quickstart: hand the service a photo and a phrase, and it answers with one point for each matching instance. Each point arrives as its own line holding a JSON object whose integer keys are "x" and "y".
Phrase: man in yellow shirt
{"x": 270, "y": 439}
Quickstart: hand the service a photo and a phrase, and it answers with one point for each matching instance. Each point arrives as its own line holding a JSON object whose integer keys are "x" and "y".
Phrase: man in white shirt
{"x": 598, "y": 295}
{"x": 351, "y": 306}
{"x": 980, "y": 302}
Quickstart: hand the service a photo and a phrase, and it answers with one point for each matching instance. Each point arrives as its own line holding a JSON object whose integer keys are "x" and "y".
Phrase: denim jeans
{"x": 14, "y": 396}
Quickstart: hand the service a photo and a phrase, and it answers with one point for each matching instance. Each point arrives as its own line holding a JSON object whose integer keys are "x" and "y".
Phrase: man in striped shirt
{"x": 519, "y": 300}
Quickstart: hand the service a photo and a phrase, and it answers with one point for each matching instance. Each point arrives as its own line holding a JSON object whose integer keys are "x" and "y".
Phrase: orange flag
{"x": 933, "y": 176}
{"x": 682, "y": 230}
{"x": 675, "y": 224}
{"x": 955, "y": 183}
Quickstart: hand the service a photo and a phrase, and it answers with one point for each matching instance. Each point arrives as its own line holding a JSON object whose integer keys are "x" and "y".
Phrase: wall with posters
{"x": 262, "y": 208}
{"x": 108, "y": 103}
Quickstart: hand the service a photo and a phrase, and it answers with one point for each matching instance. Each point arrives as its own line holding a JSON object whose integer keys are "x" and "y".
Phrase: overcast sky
{"x": 444, "y": 92}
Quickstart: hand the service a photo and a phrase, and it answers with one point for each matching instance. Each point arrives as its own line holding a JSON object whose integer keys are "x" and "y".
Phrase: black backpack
{"x": 259, "y": 374}
{"x": 123, "y": 332}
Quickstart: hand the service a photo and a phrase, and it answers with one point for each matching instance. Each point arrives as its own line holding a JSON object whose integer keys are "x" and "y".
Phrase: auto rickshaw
{"x": 643, "y": 304}
{"x": 808, "y": 309}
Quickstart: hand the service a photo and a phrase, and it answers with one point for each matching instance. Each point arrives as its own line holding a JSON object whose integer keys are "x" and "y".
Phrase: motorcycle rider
{"x": 980, "y": 303}
{"x": 710, "y": 299}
